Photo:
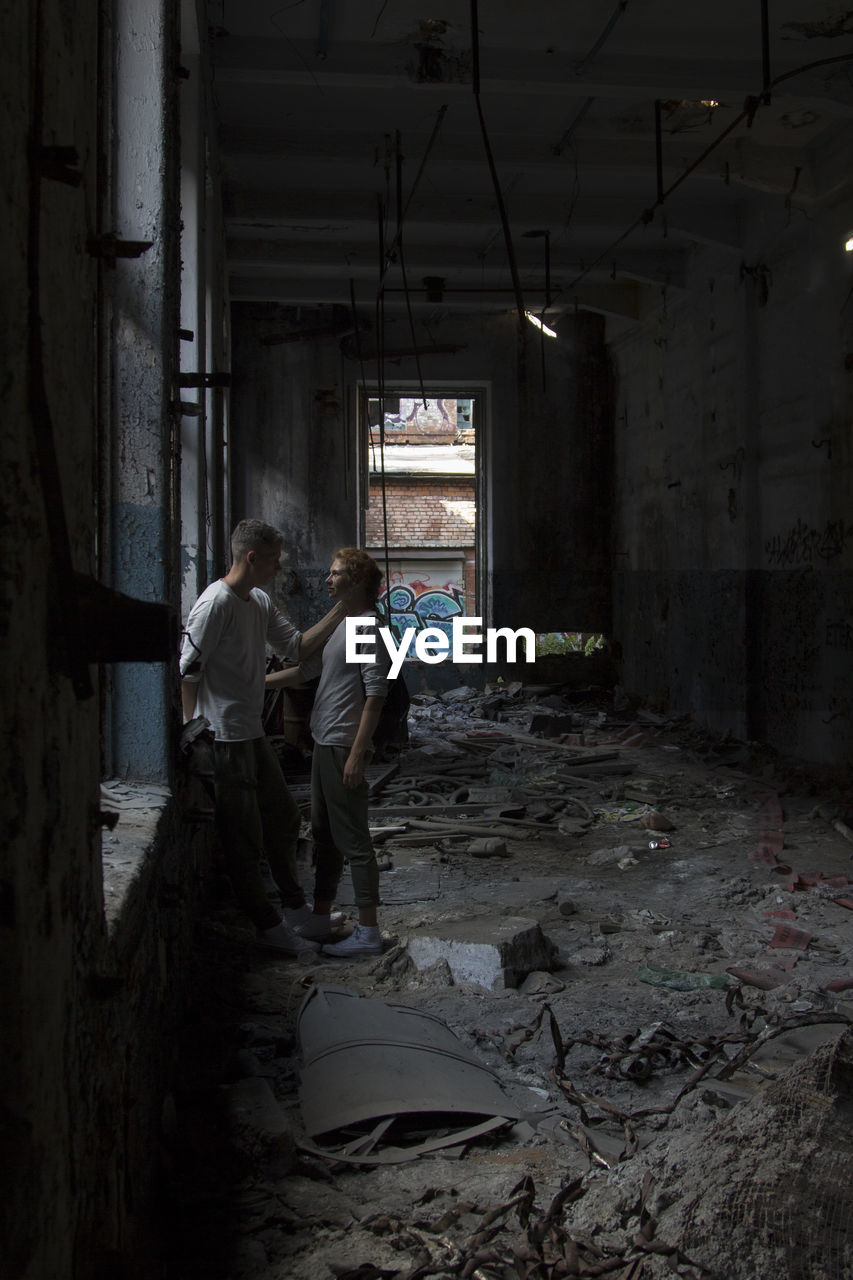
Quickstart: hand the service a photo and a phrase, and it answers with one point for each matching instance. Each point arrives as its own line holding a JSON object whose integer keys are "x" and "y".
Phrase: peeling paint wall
{"x": 560, "y": 490}
{"x": 50, "y": 787}
{"x": 144, "y": 300}
{"x": 734, "y": 540}
{"x": 204, "y": 332}
{"x": 293, "y": 461}
{"x": 85, "y": 1009}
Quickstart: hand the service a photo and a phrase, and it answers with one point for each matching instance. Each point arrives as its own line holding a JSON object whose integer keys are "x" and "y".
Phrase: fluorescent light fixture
{"x": 550, "y": 333}
{"x": 848, "y": 244}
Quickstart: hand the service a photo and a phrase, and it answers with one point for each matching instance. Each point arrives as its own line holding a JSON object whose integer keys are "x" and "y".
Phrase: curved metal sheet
{"x": 365, "y": 1059}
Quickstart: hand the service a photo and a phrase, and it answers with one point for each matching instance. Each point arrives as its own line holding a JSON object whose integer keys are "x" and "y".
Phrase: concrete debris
{"x": 491, "y": 847}
{"x": 496, "y": 953}
{"x": 541, "y": 984}
{"x": 461, "y": 694}
{"x": 614, "y": 856}
{"x": 747, "y": 1170}
{"x": 536, "y": 962}
{"x": 657, "y": 822}
{"x": 591, "y": 956}
{"x": 551, "y": 726}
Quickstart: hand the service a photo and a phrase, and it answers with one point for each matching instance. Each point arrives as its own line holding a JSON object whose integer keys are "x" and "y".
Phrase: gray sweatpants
{"x": 339, "y": 827}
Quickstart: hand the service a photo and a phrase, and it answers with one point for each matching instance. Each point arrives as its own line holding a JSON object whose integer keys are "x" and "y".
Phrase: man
{"x": 223, "y": 665}
{"x": 346, "y": 712}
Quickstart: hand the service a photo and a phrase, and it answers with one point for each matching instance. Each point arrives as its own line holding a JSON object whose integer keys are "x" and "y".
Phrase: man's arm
{"x": 315, "y": 637}
{"x": 189, "y": 697}
{"x": 289, "y": 677}
{"x": 354, "y": 767}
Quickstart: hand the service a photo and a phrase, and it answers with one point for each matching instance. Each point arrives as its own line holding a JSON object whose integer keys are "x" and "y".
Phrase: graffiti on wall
{"x": 431, "y": 418}
{"x": 419, "y": 604}
{"x": 802, "y": 545}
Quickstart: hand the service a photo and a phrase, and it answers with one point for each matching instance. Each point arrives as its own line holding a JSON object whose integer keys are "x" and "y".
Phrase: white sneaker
{"x": 363, "y": 941}
{"x": 303, "y": 921}
{"x": 281, "y": 938}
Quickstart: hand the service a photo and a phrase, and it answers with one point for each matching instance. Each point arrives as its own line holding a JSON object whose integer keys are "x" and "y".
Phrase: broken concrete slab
{"x": 496, "y": 952}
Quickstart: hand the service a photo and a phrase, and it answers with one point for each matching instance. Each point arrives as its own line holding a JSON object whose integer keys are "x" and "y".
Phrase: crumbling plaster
{"x": 733, "y": 547}
{"x": 50, "y": 785}
{"x": 84, "y": 1005}
{"x": 143, "y": 425}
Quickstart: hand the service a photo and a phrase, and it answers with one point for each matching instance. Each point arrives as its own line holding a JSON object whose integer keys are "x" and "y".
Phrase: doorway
{"x": 423, "y": 501}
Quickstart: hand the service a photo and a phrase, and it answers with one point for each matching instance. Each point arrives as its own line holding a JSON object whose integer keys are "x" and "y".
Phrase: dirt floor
{"x": 648, "y": 855}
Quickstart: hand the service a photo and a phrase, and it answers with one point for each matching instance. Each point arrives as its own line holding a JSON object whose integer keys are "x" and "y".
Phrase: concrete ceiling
{"x": 317, "y": 99}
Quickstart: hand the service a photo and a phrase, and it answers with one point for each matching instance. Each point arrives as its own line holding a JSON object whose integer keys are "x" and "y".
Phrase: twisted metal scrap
{"x": 542, "y": 1248}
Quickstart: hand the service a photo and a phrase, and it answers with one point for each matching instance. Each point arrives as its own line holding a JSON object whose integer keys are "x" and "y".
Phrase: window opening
{"x": 432, "y": 478}
{"x": 549, "y": 643}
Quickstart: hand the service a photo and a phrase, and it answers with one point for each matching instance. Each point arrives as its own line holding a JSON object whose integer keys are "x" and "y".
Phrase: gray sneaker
{"x": 304, "y": 921}
{"x": 316, "y": 927}
{"x": 363, "y": 941}
{"x": 281, "y": 938}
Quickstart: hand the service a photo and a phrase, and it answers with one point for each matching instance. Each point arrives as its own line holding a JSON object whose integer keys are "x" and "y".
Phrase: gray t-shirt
{"x": 225, "y": 649}
{"x": 343, "y": 687}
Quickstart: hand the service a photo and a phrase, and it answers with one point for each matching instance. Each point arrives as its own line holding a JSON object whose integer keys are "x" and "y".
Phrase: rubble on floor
{"x": 640, "y": 931}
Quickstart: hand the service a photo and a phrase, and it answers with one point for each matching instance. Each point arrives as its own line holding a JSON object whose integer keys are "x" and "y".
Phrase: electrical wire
{"x": 402, "y": 257}
{"x": 490, "y": 160}
{"x": 750, "y": 108}
{"x": 605, "y": 35}
{"x": 380, "y": 379}
{"x": 388, "y": 254}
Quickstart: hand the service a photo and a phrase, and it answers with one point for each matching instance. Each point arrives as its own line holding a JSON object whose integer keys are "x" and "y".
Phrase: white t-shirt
{"x": 224, "y": 649}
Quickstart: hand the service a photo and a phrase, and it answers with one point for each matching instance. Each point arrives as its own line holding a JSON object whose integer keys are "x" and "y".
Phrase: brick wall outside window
{"x": 422, "y": 512}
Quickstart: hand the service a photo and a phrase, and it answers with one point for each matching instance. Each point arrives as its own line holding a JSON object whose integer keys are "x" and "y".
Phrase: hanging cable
{"x": 547, "y": 303}
{"x": 750, "y": 107}
{"x": 360, "y": 357}
{"x": 658, "y": 150}
{"x": 380, "y": 380}
{"x": 387, "y": 258}
{"x": 402, "y": 256}
{"x": 510, "y": 251}
{"x": 611, "y": 23}
{"x": 386, "y": 255}
{"x": 355, "y": 325}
